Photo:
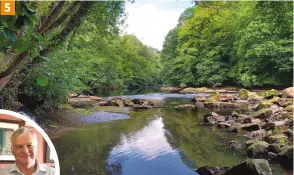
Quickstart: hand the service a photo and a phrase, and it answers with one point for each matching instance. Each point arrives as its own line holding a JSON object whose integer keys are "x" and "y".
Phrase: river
{"x": 161, "y": 141}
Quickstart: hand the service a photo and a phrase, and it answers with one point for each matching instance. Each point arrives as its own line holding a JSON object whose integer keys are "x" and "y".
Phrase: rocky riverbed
{"x": 265, "y": 118}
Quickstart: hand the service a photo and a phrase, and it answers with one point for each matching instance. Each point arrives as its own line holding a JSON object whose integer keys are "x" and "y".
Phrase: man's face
{"x": 24, "y": 149}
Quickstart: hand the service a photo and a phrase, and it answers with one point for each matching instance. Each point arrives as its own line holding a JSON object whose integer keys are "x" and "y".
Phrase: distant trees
{"x": 62, "y": 47}
{"x": 243, "y": 43}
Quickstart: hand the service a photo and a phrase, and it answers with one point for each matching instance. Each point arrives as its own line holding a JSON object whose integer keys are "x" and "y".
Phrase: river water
{"x": 161, "y": 141}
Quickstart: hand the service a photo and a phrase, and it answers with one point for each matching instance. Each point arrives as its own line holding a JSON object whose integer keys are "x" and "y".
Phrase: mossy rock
{"x": 65, "y": 106}
{"x": 235, "y": 127}
{"x": 274, "y": 100}
{"x": 192, "y": 90}
{"x": 277, "y": 138}
{"x": 81, "y": 111}
{"x": 129, "y": 103}
{"x": 213, "y": 97}
{"x": 265, "y": 104}
{"x": 285, "y": 158}
{"x": 288, "y": 103}
{"x": 262, "y": 113}
{"x": 251, "y": 167}
{"x": 289, "y": 108}
{"x": 257, "y": 149}
{"x": 243, "y": 94}
{"x": 270, "y": 94}
{"x": 274, "y": 148}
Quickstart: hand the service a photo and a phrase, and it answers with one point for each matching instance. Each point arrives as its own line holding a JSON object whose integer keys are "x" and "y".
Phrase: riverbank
{"x": 259, "y": 126}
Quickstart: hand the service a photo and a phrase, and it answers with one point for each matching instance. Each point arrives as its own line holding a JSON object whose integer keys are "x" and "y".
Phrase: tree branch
{"x": 52, "y": 17}
{"x": 70, "y": 9}
{"x": 16, "y": 60}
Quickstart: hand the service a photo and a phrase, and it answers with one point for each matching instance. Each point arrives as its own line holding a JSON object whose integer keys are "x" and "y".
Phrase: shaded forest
{"x": 49, "y": 49}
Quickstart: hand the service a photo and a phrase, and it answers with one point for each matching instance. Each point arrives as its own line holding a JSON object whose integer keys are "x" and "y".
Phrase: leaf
{"x": 28, "y": 11}
{"x": 38, "y": 36}
{"x": 42, "y": 81}
{"x": 19, "y": 46}
{"x": 32, "y": 20}
{"x": 9, "y": 33}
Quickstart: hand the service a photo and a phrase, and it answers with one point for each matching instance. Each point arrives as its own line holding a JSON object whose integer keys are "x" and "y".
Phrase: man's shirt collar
{"x": 40, "y": 167}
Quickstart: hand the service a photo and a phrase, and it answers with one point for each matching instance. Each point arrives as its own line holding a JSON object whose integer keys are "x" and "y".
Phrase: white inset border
{"x": 41, "y": 131}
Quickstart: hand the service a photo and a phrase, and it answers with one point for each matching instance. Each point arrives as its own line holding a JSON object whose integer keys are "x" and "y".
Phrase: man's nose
{"x": 25, "y": 149}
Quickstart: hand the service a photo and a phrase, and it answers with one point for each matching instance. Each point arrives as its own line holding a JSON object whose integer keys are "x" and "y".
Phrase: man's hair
{"x": 23, "y": 131}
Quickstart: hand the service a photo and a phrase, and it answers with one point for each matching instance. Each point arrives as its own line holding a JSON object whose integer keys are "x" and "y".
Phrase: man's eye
{"x": 30, "y": 146}
{"x": 18, "y": 147}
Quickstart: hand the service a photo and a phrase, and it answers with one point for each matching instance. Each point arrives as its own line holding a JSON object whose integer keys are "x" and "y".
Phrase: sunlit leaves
{"x": 42, "y": 81}
{"x": 248, "y": 44}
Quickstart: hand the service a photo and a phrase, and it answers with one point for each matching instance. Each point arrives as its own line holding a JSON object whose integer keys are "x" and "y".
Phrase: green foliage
{"x": 92, "y": 57}
{"x": 246, "y": 43}
{"x": 53, "y": 80}
{"x": 17, "y": 32}
{"x": 42, "y": 80}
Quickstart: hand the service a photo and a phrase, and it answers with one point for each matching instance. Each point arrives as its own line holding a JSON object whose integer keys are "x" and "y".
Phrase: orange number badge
{"x": 8, "y": 7}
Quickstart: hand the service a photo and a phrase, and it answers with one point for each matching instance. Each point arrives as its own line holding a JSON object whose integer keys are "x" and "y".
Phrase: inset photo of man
{"x": 23, "y": 149}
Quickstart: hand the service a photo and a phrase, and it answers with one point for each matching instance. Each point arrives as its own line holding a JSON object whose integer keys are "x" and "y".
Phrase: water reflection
{"x": 140, "y": 152}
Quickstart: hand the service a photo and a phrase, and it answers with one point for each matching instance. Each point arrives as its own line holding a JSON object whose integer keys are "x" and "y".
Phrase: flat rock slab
{"x": 98, "y": 117}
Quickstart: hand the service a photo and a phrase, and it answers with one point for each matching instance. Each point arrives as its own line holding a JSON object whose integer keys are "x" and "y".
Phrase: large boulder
{"x": 257, "y": 149}
{"x": 213, "y": 118}
{"x": 251, "y": 167}
{"x": 210, "y": 170}
{"x": 253, "y": 97}
{"x": 195, "y": 90}
{"x": 117, "y": 102}
{"x": 243, "y": 94}
{"x": 213, "y": 97}
{"x": 256, "y": 135}
{"x": 198, "y": 99}
{"x": 276, "y": 138}
{"x": 274, "y": 148}
{"x": 288, "y": 92}
{"x": 235, "y": 127}
{"x": 285, "y": 158}
{"x": 274, "y": 124}
{"x": 226, "y": 98}
{"x": 270, "y": 94}
{"x": 171, "y": 89}
{"x": 129, "y": 103}
{"x": 289, "y": 108}
{"x": 96, "y": 98}
{"x": 262, "y": 113}
{"x": 81, "y": 102}
{"x": 284, "y": 102}
{"x": 185, "y": 106}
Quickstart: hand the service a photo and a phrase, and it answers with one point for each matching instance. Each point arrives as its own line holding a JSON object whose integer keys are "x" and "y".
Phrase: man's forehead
{"x": 24, "y": 139}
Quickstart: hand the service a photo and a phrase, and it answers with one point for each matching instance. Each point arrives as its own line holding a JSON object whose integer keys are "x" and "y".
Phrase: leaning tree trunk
{"x": 63, "y": 12}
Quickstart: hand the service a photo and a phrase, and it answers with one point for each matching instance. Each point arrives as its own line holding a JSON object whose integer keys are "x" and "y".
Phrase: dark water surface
{"x": 164, "y": 141}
